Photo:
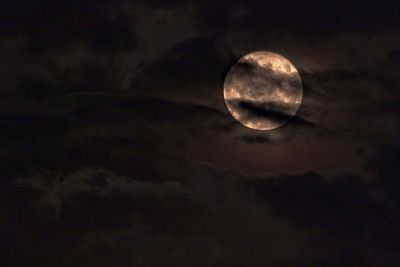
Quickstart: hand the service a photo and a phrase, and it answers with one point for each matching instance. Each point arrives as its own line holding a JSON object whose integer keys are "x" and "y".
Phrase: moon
{"x": 263, "y": 90}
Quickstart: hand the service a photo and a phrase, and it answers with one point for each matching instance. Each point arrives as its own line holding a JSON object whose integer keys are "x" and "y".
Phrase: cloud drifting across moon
{"x": 263, "y": 90}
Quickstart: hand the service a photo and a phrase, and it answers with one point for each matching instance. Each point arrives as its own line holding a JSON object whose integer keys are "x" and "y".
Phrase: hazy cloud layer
{"x": 117, "y": 148}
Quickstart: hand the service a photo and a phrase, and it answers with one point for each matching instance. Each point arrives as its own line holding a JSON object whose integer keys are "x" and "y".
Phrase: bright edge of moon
{"x": 263, "y": 90}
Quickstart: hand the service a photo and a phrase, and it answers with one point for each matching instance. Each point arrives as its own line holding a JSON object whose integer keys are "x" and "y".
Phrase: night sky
{"x": 117, "y": 148}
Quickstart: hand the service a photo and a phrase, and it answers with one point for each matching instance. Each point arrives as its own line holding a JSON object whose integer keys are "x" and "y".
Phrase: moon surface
{"x": 263, "y": 90}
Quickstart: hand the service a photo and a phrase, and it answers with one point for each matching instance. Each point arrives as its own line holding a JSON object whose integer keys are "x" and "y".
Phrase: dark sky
{"x": 117, "y": 149}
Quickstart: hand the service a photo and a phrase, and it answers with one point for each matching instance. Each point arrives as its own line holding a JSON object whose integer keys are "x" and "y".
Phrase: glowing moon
{"x": 263, "y": 90}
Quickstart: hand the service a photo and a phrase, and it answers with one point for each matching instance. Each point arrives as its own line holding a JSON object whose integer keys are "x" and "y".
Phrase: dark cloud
{"x": 117, "y": 149}
{"x": 343, "y": 206}
{"x": 308, "y": 21}
{"x": 54, "y": 26}
{"x": 194, "y": 63}
{"x": 274, "y": 113}
{"x": 56, "y": 188}
{"x": 211, "y": 207}
{"x": 255, "y": 139}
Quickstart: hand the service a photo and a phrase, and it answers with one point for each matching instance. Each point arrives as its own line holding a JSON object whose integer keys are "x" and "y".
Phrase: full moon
{"x": 263, "y": 90}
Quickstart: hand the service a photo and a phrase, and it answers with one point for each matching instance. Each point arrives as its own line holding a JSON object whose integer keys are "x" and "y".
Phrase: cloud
{"x": 190, "y": 71}
{"x": 56, "y": 188}
{"x": 215, "y": 217}
{"x": 341, "y": 209}
{"x": 105, "y": 109}
{"x": 54, "y": 26}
